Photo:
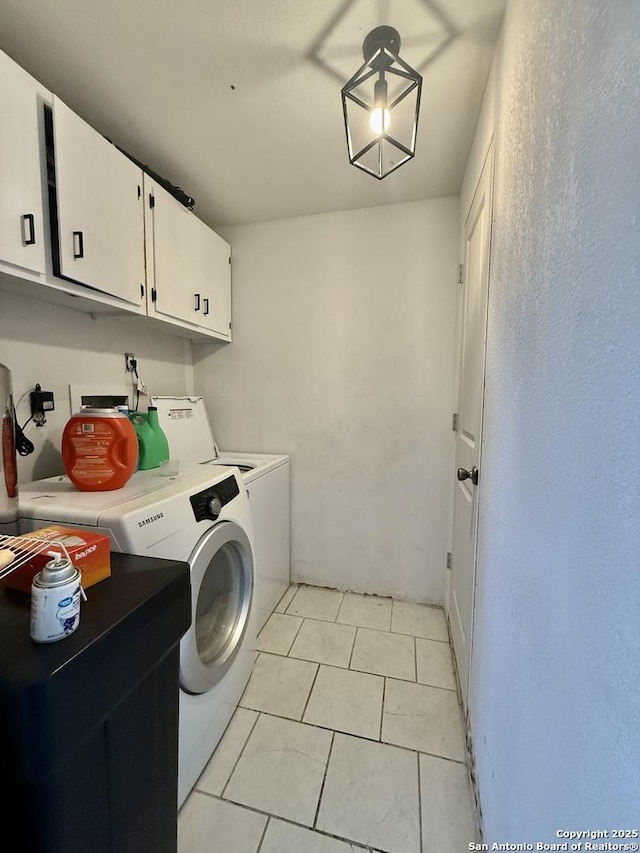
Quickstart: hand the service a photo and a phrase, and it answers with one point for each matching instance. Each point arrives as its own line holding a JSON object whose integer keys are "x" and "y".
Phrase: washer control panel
{"x": 208, "y": 503}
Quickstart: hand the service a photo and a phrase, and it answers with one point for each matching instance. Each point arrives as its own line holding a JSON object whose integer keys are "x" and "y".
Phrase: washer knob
{"x": 215, "y": 506}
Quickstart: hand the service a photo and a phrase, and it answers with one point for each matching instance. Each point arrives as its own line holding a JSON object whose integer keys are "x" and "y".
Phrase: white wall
{"x": 56, "y": 347}
{"x": 342, "y": 357}
{"x": 555, "y": 688}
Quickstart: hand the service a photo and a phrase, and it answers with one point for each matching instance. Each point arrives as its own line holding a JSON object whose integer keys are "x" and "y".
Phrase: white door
{"x": 21, "y": 226}
{"x": 100, "y": 210}
{"x": 469, "y": 426}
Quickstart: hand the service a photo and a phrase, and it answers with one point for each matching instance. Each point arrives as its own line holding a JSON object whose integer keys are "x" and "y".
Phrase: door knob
{"x": 472, "y": 475}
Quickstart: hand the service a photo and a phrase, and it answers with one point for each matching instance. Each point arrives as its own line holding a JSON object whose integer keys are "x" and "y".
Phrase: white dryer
{"x": 267, "y": 478}
{"x": 202, "y": 517}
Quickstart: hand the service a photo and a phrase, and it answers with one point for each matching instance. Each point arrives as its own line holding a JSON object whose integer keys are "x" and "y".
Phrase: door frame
{"x": 488, "y": 158}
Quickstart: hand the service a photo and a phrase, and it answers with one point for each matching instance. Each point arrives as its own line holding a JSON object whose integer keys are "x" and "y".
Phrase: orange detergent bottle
{"x": 99, "y": 449}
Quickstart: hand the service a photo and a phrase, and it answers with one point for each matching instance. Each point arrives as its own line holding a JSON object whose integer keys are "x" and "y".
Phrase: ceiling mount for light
{"x": 381, "y": 103}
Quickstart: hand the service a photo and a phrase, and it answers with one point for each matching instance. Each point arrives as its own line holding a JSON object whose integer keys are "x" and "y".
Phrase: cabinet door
{"x": 100, "y": 214}
{"x": 218, "y": 290}
{"x": 190, "y": 263}
{"x": 21, "y": 202}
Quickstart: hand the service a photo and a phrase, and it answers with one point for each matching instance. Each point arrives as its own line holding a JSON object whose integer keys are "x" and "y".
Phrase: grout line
{"x": 415, "y": 659}
{"x": 353, "y": 648}
{"x": 334, "y": 621}
{"x": 384, "y": 694}
{"x": 302, "y": 621}
{"x": 356, "y": 845}
{"x": 313, "y": 684}
{"x": 353, "y": 669}
{"x": 353, "y": 645}
{"x": 348, "y": 734}
{"x": 419, "y": 804}
{"x": 321, "y": 727}
{"x": 236, "y": 762}
{"x": 293, "y": 598}
{"x": 324, "y": 779}
{"x": 335, "y": 618}
{"x": 420, "y": 684}
{"x": 366, "y": 627}
{"x": 264, "y": 832}
{"x": 340, "y": 608}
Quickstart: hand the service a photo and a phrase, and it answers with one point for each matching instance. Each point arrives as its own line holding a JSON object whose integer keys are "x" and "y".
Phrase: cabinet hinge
{"x": 454, "y": 422}
{"x": 152, "y": 200}
{"x": 142, "y": 291}
{"x": 139, "y": 191}
{"x": 229, "y": 325}
{"x": 154, "y": 294}
{"x": 449, "y": 560}
{"x": 460, "y": 273}
{"x": 229, "y": 258}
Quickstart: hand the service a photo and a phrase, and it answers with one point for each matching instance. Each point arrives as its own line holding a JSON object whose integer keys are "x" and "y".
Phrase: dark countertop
{"x": 56, "y": 692}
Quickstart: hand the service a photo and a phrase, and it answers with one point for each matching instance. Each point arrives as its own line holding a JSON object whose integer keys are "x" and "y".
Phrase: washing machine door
{"x": 221, "y": 595}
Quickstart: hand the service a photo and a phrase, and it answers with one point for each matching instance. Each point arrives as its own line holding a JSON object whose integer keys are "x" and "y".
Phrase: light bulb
{"x": 379, "y": 120}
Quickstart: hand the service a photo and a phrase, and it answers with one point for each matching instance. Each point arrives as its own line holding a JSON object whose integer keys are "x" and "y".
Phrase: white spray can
{"x": 55, "y": 599}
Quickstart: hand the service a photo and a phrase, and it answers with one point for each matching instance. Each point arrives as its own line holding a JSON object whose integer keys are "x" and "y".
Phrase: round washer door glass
{"x": 221, "y": 592}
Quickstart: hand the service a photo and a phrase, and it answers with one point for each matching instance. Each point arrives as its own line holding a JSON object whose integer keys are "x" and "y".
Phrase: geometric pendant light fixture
{"x": 381, "y": 103}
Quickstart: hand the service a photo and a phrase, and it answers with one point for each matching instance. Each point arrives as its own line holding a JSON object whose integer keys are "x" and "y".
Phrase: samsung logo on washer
{"x": 150, "y": 519}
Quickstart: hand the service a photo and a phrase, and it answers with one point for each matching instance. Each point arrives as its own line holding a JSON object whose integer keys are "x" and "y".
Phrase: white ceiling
{"x": 238, "y": 101}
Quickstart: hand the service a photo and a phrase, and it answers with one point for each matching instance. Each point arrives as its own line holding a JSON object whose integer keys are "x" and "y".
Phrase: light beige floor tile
{"x": 346, "y": 701}
{"x": 435, "y": 664}
{"x": 316, "y": 603}
{"x": 223, "y": 760}
{"x": 447, "y": 805}
{"x": 422, "y": 718}
{"x": 278, "y": 634}
{"x": 384, "y": 654}
{"x": 206, "y": 824}
{"x": 366, "y": 611}
{"x": 419, "y": 620}
{"x": 324, "y": 642}
{"x": 371, "y": 795}
{"x": 284, "y": 837}
{"x": 285, "y": 601}
{"x": 281, "y": 769}
{"x": 279, "y": 685}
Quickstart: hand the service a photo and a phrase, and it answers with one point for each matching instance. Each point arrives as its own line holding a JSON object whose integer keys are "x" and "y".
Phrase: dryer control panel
{"x": 208, "y": 503}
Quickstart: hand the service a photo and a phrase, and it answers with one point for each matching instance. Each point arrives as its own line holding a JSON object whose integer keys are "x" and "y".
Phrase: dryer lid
{"x": 186, "y": 424}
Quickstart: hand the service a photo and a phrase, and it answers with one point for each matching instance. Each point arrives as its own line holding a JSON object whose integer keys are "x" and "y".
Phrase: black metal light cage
{"x": 379, "y": 152}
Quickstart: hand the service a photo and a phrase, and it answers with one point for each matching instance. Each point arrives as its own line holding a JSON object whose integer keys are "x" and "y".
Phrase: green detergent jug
{"x": 153, "y": 447}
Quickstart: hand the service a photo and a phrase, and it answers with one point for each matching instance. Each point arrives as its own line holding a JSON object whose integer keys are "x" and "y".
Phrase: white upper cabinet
{"x": 21, "y": 201}
{"x": 188, "y": 266}
{"x": 77, "y": 227}
{"x": 98, "y": 239}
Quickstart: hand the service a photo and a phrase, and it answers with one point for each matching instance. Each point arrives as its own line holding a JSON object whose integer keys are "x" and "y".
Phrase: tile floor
{"x": 348, "y": 737}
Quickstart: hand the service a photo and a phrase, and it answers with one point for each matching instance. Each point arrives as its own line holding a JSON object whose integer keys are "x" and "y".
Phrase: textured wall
{"x": 342, "y": 357}
{"x": 57, "y": 347}
{"x": 555, "y": 688}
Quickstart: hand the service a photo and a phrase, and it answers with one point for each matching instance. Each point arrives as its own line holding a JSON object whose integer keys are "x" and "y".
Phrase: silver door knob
{"x": 473, "y": 475}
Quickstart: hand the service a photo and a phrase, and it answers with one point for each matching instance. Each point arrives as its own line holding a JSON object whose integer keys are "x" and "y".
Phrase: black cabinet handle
{"x": 28, "y": 228}
{"x": 206, "y": 306}
{"x": 80, "y": 244}
{"x": 197, "y": 301}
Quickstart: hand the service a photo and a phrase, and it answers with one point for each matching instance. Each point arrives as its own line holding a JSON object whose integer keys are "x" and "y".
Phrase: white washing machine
{"x": 267, "y": 478}
{"x": 202, "y": 517}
